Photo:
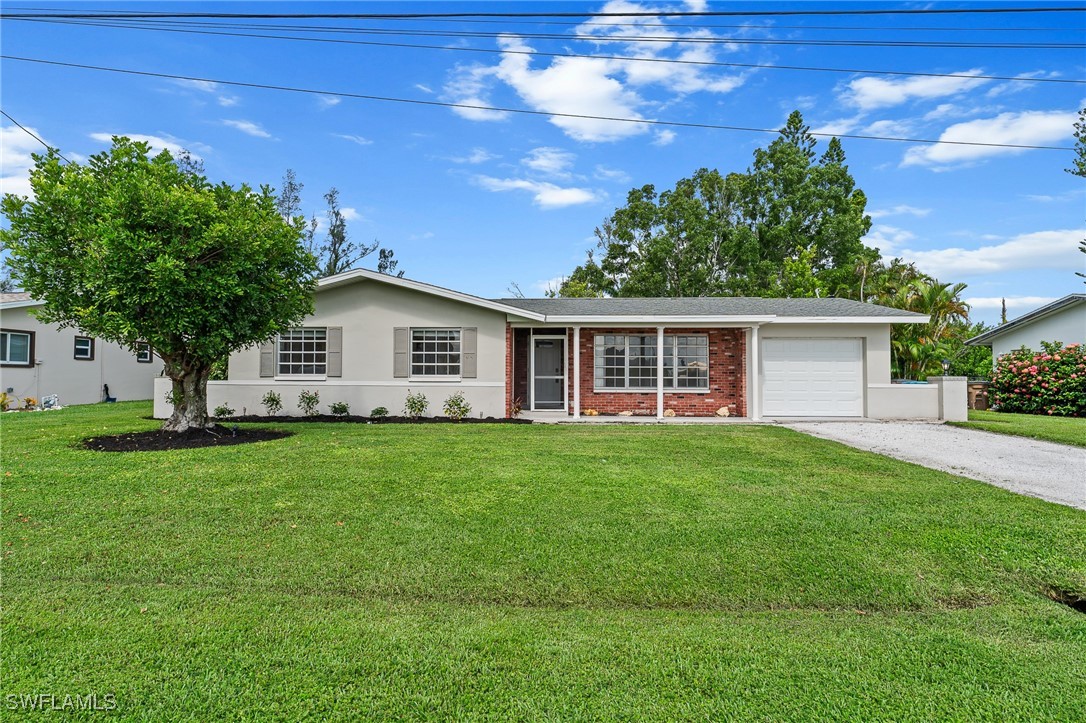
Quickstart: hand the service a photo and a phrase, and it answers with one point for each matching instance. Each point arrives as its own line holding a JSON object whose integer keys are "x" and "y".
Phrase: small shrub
{"x": 415, "y": 405}
{"x": 516, "y": 408}
{"x": 273, "y": 403}
{"x": 456, "y": 407}
{"x": 5, "y": 401}
{"x": 29, "y": 403}
{"x": 308, "y": 402}
{"x": 340, "y": 409}
{"x": 378, "y": 413}
{"x": 224, "y": 410}
{"x": 1051, "y": 381}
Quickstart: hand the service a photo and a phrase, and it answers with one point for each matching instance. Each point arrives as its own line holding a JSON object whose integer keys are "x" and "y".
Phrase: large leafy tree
{"x": 1078, "y": 165}
{"x": 133, "y": 248}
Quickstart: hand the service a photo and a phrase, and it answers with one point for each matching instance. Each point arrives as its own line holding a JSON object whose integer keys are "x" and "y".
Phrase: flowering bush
{"x": 1051, "y": 381}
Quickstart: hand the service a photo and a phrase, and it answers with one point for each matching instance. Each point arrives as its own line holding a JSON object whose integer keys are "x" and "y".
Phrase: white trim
{"x": 576, "y": 372}
{"x": 659, "y": 364}
{"x": 754, "y": 375}
{"x": 565, "y": 371}
{"x": 851, "y": 320}
{"x": 301, "y": 378}
{"x": 347, "y": 277}
{"x": 660, "y": 369}
{"x": 720, "y": 322}
{"x": 21, "y": 304}
{"x": 339, "y": 383}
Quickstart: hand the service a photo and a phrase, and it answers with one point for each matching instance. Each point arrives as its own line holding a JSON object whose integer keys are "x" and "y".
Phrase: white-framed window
{"x": 435, "y": 352}
{"x": 84, "y": 348}
{"x": 303, "y": 352}
{"x": 144, "y": 355}
{"x": 628, "y": 361}
{"x": 16, "y": 347}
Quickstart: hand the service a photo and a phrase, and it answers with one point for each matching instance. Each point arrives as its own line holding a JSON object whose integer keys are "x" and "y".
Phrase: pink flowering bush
{"x": 1051, "y": 381}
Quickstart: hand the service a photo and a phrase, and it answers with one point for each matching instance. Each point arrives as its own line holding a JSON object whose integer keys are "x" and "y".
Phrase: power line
{"x": 33, "y": 135}
{"x": 676, "y": 61}
{"x": 498, "y": 109}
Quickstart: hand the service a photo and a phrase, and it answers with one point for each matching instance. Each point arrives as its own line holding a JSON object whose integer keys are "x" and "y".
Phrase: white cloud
{"x": 1024, "y": 128}
{"x": 248, "y": 127}
{"x": 837, "y": 127}
{"x": 471, "y": 85}
{"x": 1037, "y": 250}
{"x": 549, "y": 161}
{"x": 228, "y": 101}
{"x": 545, "y": 195}
{"x": 351, "y": 214}
{"x": 899, "y": 210}
{"x": 871, "y": 92}
{"x": 424, "y": 88}
{"x": 1013, "y": 302}
{"x": 547, "y": 285}
{"x": 421, "y": 236}
{"x": 1071, "y": 195}
{"x": 477, "y": 156}
{"x": 664, "y": 138}
{"x": 328, "y": 101}
{"x": 211, "y": 88}
{"x": 604, "y": 173}
{"x": 887, "y": 239}
{"x": 15, "y": 160}
{"x": 354, "y": 139}
{"x": 157, "y": 143}
{"x": 1013, "y": 87}
{"x": 897, "y": 128}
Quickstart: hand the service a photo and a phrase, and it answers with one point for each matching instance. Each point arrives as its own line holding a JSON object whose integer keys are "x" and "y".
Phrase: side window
{"x": 144, "y": 355}
{"x": 84, "y": 348}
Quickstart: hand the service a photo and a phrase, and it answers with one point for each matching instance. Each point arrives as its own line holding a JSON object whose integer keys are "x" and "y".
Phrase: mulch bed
{"x": 158, "y": 440}
{"x": 355, "y": 419}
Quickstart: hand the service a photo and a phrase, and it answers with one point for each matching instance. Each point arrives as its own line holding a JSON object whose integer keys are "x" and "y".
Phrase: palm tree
{"x": 918, "y": 350}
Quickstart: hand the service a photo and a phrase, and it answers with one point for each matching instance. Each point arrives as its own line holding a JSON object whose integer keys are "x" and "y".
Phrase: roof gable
{"x": 1028, "y": 318}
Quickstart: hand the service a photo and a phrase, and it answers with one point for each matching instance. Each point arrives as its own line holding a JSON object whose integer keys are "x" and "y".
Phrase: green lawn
{"x": 528, "y": 572}
{"x": 1065, "y": 430}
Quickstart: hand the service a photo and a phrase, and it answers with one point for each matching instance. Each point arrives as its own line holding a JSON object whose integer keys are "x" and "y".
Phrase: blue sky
{"x": 475, "y": 200}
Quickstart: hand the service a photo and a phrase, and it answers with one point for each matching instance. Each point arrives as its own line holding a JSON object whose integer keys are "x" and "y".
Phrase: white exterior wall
{"x": 368, "y": 311}
{"x": 74, "y": 381}
{"x": 903, "y": 401}
{"x": 1067, "y": 325}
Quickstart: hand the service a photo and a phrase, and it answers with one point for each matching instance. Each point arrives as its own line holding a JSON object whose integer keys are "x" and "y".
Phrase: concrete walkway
{"x": 1053, "y": 472}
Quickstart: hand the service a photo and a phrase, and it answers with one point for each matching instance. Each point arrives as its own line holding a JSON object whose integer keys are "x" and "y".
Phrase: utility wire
{"x": 498, "y": 109}
{"x": 33, "y": 135}
{"x": 676, "y": 61}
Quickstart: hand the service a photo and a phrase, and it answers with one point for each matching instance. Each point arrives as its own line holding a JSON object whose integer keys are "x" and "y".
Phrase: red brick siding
{"x": 508, "y": 367}
{"x": 520, "y": 366}
{"x": 727, "y": 377}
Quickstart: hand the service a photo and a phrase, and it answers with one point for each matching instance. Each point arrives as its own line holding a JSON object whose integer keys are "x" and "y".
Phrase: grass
{"x": 528, "y": 572}
{"x": 1064, "y": 430}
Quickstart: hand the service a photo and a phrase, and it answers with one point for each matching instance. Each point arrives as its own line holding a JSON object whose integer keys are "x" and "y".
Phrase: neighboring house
{"x": 1063, "y": 320}
{"x": 38, "y": 359}
{"x": 374, "y": 337}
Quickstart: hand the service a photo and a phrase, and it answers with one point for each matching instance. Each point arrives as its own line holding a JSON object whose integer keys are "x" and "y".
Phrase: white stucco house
{"x": 374, "y": 337}
{"x": 1063, "y": 320}
{"x": 38, "y": 360}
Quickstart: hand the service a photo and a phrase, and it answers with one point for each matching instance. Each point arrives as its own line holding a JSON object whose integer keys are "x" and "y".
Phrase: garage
{"x": 812, "y": 377}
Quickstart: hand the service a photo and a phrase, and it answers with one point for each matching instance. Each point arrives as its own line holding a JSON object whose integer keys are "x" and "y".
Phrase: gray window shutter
{"x": 401, "y": 352}
{"x": 267, "y": 359}
{"x": 335, "y": 351}
{"x": 469, "y": 341}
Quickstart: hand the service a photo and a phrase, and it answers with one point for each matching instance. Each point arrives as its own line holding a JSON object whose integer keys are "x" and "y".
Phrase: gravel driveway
{"x": 1053, "y": 472}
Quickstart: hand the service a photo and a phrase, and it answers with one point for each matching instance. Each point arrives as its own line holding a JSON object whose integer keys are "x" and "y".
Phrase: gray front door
{"x": 549, "y": 383}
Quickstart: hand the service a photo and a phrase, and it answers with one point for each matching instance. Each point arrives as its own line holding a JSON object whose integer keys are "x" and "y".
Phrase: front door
{"x": 548, "y": 373}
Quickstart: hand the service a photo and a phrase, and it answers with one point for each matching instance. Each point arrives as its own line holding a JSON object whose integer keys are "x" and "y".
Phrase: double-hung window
{"x": 144, "y": 355}
{"x": 435, "y": 352}
{"x": 303, "y": 352}
{"x": 16, "y": 347}
{"x": 84, "y": 348}
{"x": 628, "y": 361}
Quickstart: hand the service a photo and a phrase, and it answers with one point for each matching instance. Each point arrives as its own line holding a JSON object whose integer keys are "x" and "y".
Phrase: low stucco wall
{"x": 902, "y": 401}
{"x": 486, "y": 399}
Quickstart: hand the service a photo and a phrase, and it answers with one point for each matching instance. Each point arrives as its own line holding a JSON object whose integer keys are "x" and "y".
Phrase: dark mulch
{"x": 355, "y": 419}
{"x": 157, "y": 440}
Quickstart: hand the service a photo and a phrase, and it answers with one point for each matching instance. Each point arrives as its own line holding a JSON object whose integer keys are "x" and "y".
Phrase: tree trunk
{"x": 189, "y": 397}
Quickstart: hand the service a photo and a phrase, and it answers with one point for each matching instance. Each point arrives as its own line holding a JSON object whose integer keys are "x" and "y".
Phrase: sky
{"x": 477, "y": 200}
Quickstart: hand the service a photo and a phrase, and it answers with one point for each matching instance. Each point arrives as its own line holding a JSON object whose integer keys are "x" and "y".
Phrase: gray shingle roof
{"x": 985, "y": 339}
{"x": 707, "y": 306}
{"x": 10, "y": 296}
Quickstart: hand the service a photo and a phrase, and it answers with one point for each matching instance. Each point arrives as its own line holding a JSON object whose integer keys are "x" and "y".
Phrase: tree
{"x": 1078, "y": 165}
{"x": 133, "y": 249}
{"x": 918, "y": 350}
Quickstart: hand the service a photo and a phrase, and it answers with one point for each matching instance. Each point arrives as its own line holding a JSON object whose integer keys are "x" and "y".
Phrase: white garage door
{"x": 812, "y": 378}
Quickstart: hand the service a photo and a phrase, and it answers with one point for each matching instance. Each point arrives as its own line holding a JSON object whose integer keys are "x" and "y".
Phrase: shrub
{"x": 5, "y": 401}
{"x": 1051, "y": 381}
{"x": 29, "y": 403}
{"x": 415, "y": 405}
{"x": 340, "y": 409}
{"x": 456, "y": 407}
{"x": 308, "y": 402}
{"x": 378, "y": 413}
{"x": 272, "y": 402}
{"x": 224, "y": 410}
{"x": 516, "y": 408}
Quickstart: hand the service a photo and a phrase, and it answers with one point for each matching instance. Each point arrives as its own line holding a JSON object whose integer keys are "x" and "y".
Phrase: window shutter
{"x": 401, "y": 352}
{"x": 334, "y": 335}
{"x": 267, "y": 359}
{"x": 469, "y": 340}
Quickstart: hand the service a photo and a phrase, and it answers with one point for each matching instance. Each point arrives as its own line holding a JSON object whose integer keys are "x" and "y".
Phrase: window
{"x": 435, "y": 352}
{"x": 16, "y": 348}
{"x": 144, "y": 355}
{"x": 303, "y": 352}
{"x": 84, "y": 348}
{"x": 629, "y": 361}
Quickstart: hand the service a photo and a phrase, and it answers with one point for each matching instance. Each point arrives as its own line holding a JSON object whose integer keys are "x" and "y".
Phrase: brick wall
{"x": 727, "y": 377}
{"x": 508, "y": 367}
{"x": 520, "y": 366}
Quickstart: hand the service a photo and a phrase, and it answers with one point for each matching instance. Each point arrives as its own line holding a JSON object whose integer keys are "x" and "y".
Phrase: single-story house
{"x": 1063, "y": 320}
{"x": 38, "y": 360}
{"x": 373, "y": 338}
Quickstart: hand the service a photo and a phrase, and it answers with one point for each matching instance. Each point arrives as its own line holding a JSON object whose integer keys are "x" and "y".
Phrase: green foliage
{"x": 340, "y": 409}
{"x": 130, "y": 248}
{"x": 415, "y": 405}
{"x": 379, "y": 412}
{"x": 456, "y": 406}
{"x": 516, "y": 408}
{"x": 1051, "y": 381}
{"x": 918, "y": 350}
{"x": 1061, "y": 430}
{"x": 309, "y": 402}
{"x": 273, "y": 403}
{"x": 224, "y": 410}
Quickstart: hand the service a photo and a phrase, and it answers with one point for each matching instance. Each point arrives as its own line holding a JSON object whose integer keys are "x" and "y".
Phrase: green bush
{"x": 272, "y": 402}
{"x": 340, "y": 409}
{"x": 1051, "y": 381}
{"x": 456, "y": 407}
{"x": 378, "y": 412}
{"x": 415, "y": 405}
{"x": 308, "y": 402}
{"x": 224, "y": 410}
